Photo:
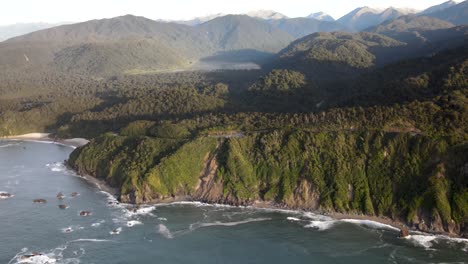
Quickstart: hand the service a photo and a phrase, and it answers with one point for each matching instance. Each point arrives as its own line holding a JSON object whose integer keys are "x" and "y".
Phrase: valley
{"x": 362, "y": 117}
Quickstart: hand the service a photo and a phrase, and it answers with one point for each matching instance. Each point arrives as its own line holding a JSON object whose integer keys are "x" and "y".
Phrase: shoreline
{"x": 261, "y": 205}
{"x": 45, "y": 137}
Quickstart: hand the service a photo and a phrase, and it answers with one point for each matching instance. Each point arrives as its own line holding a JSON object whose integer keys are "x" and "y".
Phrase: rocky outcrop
{"x": 85, "y": 213}
{"x": 209, "y": 189}
{"x": 5, "y": 195}
{"x": 410, "y": 179}
{"x": 404, "y": 232}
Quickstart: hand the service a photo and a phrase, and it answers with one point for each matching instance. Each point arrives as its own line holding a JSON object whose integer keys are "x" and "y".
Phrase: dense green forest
{"x": 334, "y": 122}
{"x": 396, "y": 150}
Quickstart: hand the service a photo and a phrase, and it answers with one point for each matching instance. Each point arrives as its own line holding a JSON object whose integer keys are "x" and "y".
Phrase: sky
{"x": 54, "y": 11}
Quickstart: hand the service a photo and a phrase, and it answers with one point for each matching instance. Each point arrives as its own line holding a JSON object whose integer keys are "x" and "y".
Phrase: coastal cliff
{"x": 408, "y": 177}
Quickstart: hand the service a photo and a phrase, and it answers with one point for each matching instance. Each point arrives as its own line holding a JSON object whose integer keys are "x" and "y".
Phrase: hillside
{"x": 15, "y": 30}
{"x": 457, "y": 14}
{"x": 322, "y": 55}
{"x": 361, "y": 159}
{"x": 240, "y": 32}
{"x": 364, "y": 17}
{"x": 411, "y": 28}
{"x": 321, "y": 16}
{"x": 136, "y": 44}
{"x": 300, "y": 27}
{"x": 337, "y": 54}
{"x": 437, "y": 8}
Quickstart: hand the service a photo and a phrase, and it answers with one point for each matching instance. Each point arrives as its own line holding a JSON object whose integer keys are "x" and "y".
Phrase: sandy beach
{"x": 74, "y": 142}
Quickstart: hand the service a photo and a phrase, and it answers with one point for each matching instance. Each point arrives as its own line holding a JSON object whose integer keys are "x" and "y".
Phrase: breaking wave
{"x": 164, "y": 231}
{"x": 370, "y": 224}
{"x": 321, "y": 225}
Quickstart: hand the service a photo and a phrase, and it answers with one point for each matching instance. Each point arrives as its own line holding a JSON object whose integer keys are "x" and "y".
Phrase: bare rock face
{"x": 404, "y": 232}
{"x": 304, "y": 196}
{"x": 85, "y": 213}
{"x": 42, "y": 201}
{"x": 421, "y": 226}
{"x": 208, "y": 189}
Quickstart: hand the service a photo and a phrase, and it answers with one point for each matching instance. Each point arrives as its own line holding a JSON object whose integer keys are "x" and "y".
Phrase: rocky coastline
{"x": 405, "y": 228}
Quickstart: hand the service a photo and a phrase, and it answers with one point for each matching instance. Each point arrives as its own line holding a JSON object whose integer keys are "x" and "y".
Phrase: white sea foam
{"x": 9, "y": 145}
{"x": 145, "y": 210}
{"x": 162, "y": 219}
{"x": 293, "y": 219}
{"x": 116, "y": 231}
{"x": 321, "y": 225}
{"x": 56, "y": 166}
{"x": 37, "y": 259}
{"x": 315, "y": 216}
{"x": 67, "y": 229}
{"x": 219, "y": 223}
{"x": 96, "y": 224}
{"x": 164, "y": 231}
{"x": 133, "y": 223}
{"x": 425, "y": 241}
{"x": 370, "y": 224}
{"x": 90, "y": 240}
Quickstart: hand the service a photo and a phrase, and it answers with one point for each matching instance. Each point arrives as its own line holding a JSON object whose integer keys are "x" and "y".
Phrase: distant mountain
{"x": 365, "y": 17}
{"x": 137, "y": 44}
{"x": 341, "y": 55}
{"x": 11, "y": 31}
{"x": 457, "y": 14}
{"x": 300, "y": 27}
{"x": 241, "y": 32}
{"x": 199, "y": 20}
{"x": 321, "y": 16}
{"x": 437, "y": 8}
{"x": 411, "y": 28}
{"x": 335, "y": 55}
{"x": 262, "y": 14}
{"x": 266, "y": 14}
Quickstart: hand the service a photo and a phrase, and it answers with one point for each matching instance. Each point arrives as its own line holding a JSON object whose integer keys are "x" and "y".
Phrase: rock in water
{"x": 40, "y": 201}
{"x": 85, "y": 213}
{"x": 74, "y": 194}
{"x": 4, "y": 195}
{"x": 60, "y": 196}
{"x": 63, "y": 206}
{"x": 404, "y": 232}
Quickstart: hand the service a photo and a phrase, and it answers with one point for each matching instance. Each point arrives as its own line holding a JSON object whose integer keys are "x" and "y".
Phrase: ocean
{"x": 185, "y": 232}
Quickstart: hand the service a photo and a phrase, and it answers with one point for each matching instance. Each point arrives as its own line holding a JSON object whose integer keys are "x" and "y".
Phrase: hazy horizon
{"x": 56, "y": 11}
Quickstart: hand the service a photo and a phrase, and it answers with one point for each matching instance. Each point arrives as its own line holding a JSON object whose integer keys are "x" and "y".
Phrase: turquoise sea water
{"x": 177, "y": 233}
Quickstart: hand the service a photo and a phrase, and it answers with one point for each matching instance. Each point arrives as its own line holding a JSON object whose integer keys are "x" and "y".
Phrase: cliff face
{"x": 410, "y": 178}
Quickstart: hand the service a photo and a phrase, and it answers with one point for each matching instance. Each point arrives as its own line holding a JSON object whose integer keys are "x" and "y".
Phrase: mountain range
{"x": 14, "y": 30}
{"x": 131, "y": 44}
{"x": 363, "y": 116}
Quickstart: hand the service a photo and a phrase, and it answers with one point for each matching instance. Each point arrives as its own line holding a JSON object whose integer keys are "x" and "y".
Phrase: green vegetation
{"x": 330, "y": 124}
{"x": 279, "y": 81}
{"x": 375, "y": 173}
